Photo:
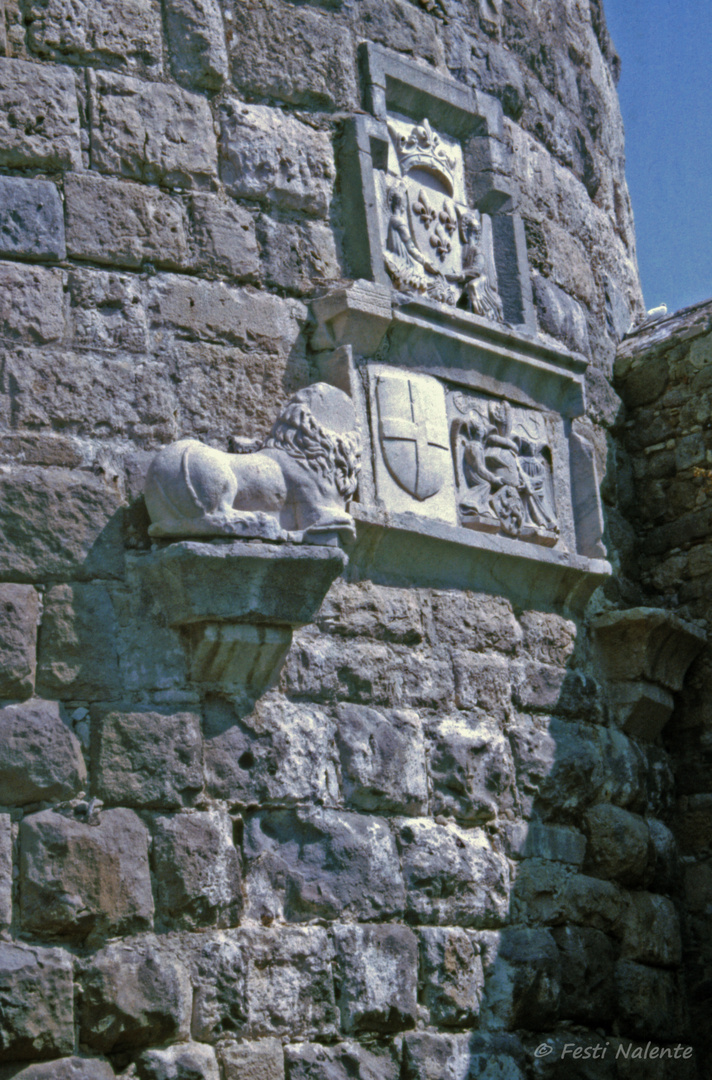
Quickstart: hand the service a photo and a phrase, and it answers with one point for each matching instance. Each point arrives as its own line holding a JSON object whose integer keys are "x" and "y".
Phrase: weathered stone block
{"x": 134, "y": 993}
{"x": 224, "y": 236}
{"x": 82, "y": 879}
{"x": 380, "y": 612}
{"x": 452, "y": 875}
{"x": 265, "y": 154}
{"x": 558, "y": 764}
{"x": 31, "y": 219}
{"x": 151, "y": 132}
{"x": 31, "y": 303}
{"x": 560, "y": 315}
{"x": 298, "y": 255}
{"x": 377, "y": 977}
{"x": 345, "y": 1061}
{"x": 452, "y": 976}
{"x": 78, "y": 643}
{"x": 150, "y": 759}
{"x": 41, "y": 757}
{"x": 475, "y": 621}
{"x": 70, "y": 1068}
{"x": 650, "y": 1005}
{"x": 110, "y": 221}
{"x": 6, "y": 863}
{"x": 382, "y": 759}
{"x": 196, "y": 37}
{"x": 321, "y": 863}
{"x": 587, "y": 962}
{"x": 426, "y": 1056}
{"x": 549, "y": 639}
{"x": 666, "y": 862}
{"x": 197, "y": 870}
{"x": 57, "y": 523}
{"x": 185, "y": 1061}
{"x": 651, "y": 930}
{"x": 482, "y": 682}
{"x": 618, "y": 844}
{"x": 37, "y": 992}
{"x": 259, "y": 1060}
{"x": 39, "y": 118}
{"x": 537, "y": 686}
{"x": 282, "y": 752}
{"x": 471, "y": 768}
{"x": 544, "y": 892}
{"x": 266, "y": 53}
{"x": 19, "y": 615}
{"x": 556, "y": 842}
{"x": 115, "y": 32}
{"x": 522, "y": 972}
{"x": 106, "y": 311}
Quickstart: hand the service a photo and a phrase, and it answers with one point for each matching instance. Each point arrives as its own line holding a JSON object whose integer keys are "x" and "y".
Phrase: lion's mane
{"x": 334, "y": 457}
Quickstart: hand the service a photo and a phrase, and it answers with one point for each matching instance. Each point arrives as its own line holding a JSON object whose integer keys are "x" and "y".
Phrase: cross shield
{"x": 413, "y": 432}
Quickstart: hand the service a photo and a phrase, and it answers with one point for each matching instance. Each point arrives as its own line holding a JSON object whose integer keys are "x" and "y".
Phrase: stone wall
{"x": 429, "y": 848}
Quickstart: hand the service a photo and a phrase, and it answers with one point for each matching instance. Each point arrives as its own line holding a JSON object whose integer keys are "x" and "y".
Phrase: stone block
{"x": 651, "y": 643}
{"x": 196, "y": 37}
{"x": 259, "y": 982}
{"x": 41, "y": 758}
{"x": 134, "y": 993}
{"x": 151, "y": 760}
{"x": 70, "y": 1068}
{"x": 382, "y": 759}
{"x": 305, "y": 864}
{"x": 262, "y": 1059}
{"x": 152, "y": 132}
{"x": 37, "y": 992}
{"x": 345, "y": 1061}
{"x": 537, "y": 686}
{"x": 82, "y": 878}
{"x": 59, "y": 523}
{"x": 666, "y": 870}
{"x": 559, "y": 766}
{"x": 224, "y": 237}
{"x": 428, "y": 1055}
{"x": 197, "y": 870}
{"x": 39, "y": 117}
{"x": 560, "y": 315}
{"x": 106, "y": 311}
{"x": 640, "y": 708}
{"x": 377, "y": 977}
{"x": 618, "y": 844}
{"x": 452, "y": 976}
{"x": 298, "y": 255}
{"x": 31, "y": 219}
{"x": 475, "y": 621}
{"x": 523, "y": 980}
{"x": 184, "y": 1061}
{"x": 650, "y": 1005}
{"x": 544, "y": 892}
{"x": 482, "y": 682}
{"x": 587, "y": 965}
{"x": 548, "y": 639}
{"x": 651, "y": 930}
{"x": 452, "y": 875}
{"x": 78, "y": 644}
{"x": 283, "y": 752}
{"x": 265, "y": 154}
{"x": 31, "y": 303}
{"x": 267, "y": 50}
{"x": 113, "y": 33}
{"x": 19, "y": 615}
{"x": 124, "y": 224}
{"x": 380, "y": 612}
{"x": 471, "y": 768}
{"x": 558, "y": 843}
{"x": 6, "y": 866}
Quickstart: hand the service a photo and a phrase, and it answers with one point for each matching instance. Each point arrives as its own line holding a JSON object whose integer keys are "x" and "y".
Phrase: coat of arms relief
{"x": 434, "y": 244}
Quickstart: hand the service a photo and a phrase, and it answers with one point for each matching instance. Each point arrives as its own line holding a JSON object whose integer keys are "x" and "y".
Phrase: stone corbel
{"x": 645, "y": 654}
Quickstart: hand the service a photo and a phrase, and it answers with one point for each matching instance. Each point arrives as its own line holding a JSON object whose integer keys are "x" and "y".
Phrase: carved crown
{"x": 422, "y": 148}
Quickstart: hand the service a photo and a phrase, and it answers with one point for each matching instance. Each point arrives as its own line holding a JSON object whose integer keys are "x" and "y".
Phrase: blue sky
{"x": 666, "y": 99}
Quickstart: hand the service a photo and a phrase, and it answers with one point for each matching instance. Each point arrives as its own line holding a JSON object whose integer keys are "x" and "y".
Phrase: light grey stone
{"x": 70, "y": 1068}
{"x": 345, "y": 1061}
{"x": 125, "y": 224}
{"x": 116, "y": 32}
{"x": 311, "y": 863}
{"x": 262, "y": 1059}
{"x": 150, "y": 759}
{"x": 427, "y": 1055}
{"x": 475, "y": 621}
{"x": 31, "y": 219}
{"x": 6, "y": 866}
{"x": 377, "y": 973}
{"x": 19, "y": 615}
{"x": 224, "y": 237}
{"x": 618, "y": 844}
{"x": 282, "y": 752}
{"x": 382, "y": 759}
{"x": 37, "y": 991}
{"x": 651, "y": 930}
{"x": 135, "y": 993}
{"x": 452, "y": 875}
{"x": 558, "y": 764}
{"x": 39, "y": 118}
{"x": 151, "y": 132}
{"x": 556, "y": 842}
{"x": 106, "y": 311}
{"x": 548, "y": 638}
{"x": 41, "y": 758}
{"x": 31, "y": 303}
{"x": 651, "y": 643}
{"x": 471, "y": 768}
{"x": 266, "y": 154}
{"x": 452, "y": 976}
{"x": 196, "y": 37}
{"x": 482, "y": 682}
{"x": 82, "y": 878}
{"x": 197, "y": 870}
{"x": 380, "y": 612}
{"x": 560, "y": 315}
{"x": 298, "y": 255}
{"x": 587, "y": 965}
{"x": 185, "y": 1061}
{"x": 78, "y": 645}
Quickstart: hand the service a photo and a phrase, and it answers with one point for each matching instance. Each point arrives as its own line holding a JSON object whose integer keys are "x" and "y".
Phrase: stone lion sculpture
{"x": 294, "y": 486}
